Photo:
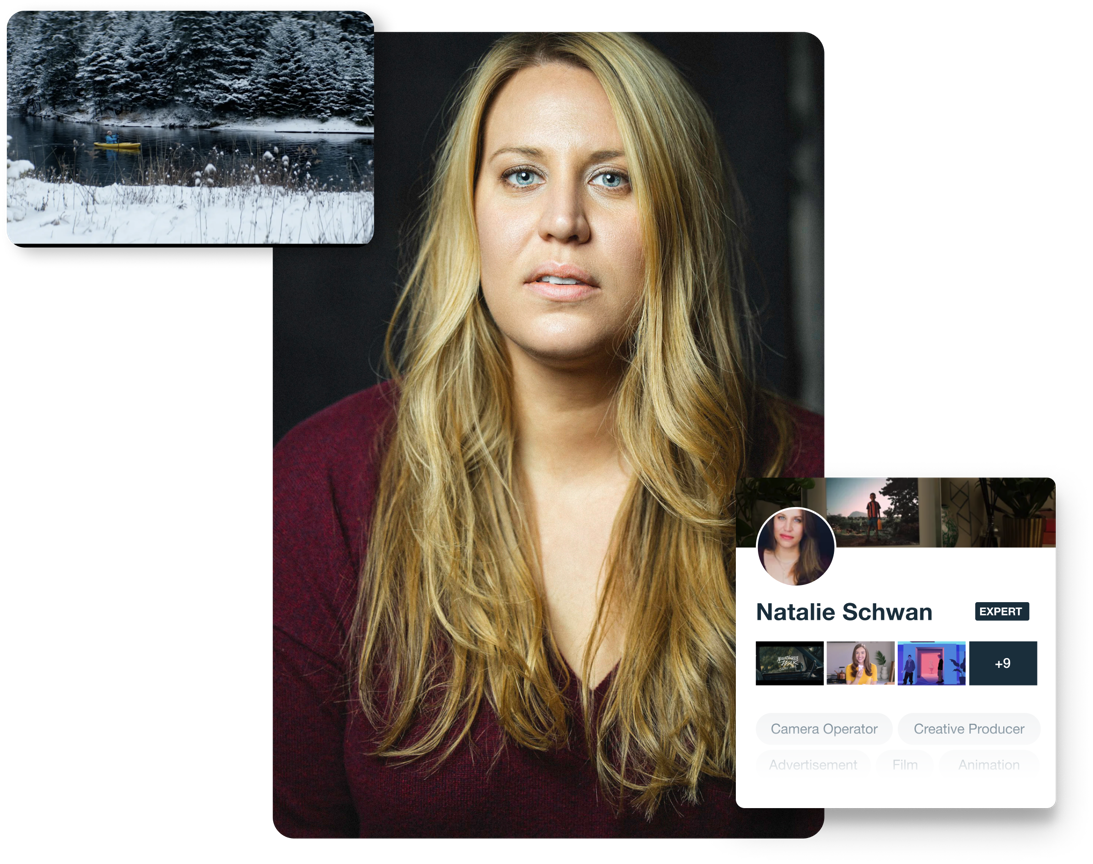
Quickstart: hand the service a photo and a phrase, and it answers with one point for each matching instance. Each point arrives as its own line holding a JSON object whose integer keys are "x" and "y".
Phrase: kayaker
{"x": 111, "y": 137}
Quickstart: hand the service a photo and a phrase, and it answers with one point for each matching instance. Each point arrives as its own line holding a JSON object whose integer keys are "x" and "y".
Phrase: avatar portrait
{"x": 796, "y": 546}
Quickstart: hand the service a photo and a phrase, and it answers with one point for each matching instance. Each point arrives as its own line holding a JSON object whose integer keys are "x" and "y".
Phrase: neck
{"x": 565, "y": 417}
{"x": 787, "y": 554}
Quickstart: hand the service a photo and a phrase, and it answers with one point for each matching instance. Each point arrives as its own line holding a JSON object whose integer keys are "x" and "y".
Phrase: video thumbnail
{"x": 792, "y": 663}
{"x": 933, "y": 664}
{"x": 874, "y": 511}
{"x": 901, "y": 512}
{"x": 860, "y": 663}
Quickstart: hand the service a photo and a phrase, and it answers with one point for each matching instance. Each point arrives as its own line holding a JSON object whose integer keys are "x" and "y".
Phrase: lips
{"x": 565, "y": 273}
{"x": 786, "y": 536}
{"x": 561, "y": 282}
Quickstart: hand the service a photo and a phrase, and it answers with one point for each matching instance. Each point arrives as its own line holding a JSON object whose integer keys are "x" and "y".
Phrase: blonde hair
{"x": 450, "y": 615}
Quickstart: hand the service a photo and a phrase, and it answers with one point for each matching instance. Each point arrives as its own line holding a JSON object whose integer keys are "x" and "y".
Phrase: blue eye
{"x": 521, "y": 177}
{"x": 611, "y": 180}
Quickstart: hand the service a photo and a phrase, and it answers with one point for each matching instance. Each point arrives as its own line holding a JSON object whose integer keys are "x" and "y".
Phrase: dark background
{"x": 331, "y": 305}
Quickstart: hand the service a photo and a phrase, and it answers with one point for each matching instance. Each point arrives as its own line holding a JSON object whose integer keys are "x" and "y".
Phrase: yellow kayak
{"x": 124, "y": 146}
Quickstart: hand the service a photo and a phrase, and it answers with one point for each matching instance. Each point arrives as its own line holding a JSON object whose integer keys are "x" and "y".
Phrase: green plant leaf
{"x": 1023, "y": 496}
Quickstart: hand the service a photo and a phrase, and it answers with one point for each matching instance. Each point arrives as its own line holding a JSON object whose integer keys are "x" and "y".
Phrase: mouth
{"x": 786, "y": 536}
{"x": 564, "y": 282}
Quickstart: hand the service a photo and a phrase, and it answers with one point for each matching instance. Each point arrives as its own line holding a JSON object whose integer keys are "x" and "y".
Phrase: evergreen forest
{"x": 198, "y": 66}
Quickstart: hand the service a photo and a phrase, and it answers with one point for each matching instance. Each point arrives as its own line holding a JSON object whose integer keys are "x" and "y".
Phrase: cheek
{"x": 624, "y": 239}
{"x": 498, "y": 247}
{"x": 491, "y": 241}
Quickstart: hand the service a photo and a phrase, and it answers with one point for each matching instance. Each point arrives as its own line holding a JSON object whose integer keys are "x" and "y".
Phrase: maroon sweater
{"x": 325, "y": 783}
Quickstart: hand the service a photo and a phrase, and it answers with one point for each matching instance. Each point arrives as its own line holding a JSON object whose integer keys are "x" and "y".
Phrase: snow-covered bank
{"x": 333, "y": 126}
{"x": 173, "y": 119}
{"x": 40, "y": 212}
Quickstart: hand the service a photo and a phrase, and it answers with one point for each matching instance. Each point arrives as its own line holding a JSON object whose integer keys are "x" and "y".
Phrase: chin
{"x": 564, "y": 349}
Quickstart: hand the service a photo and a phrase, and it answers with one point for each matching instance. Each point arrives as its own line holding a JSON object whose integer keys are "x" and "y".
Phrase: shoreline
{"x": 274, "y": 126}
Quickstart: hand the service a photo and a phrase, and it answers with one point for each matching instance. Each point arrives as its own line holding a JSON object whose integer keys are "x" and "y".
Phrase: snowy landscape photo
{"x": 185, "y": 128}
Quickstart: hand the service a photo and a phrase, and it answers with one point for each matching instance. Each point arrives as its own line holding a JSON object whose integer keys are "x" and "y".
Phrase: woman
{"x": 792, "y": 546}
{"x": 503, "y": 580}
{"x": 861, "y": 671}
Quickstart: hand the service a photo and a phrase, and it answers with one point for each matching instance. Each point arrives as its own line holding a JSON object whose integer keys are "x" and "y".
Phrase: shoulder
{"x": 339, "y": 445}
{"x": 338, "y": 431}
{"x": 337, "y": 451}
{"x": 806, "y": 457}
{"x": 324, "y": 481}
{"x": 325, "y": 472}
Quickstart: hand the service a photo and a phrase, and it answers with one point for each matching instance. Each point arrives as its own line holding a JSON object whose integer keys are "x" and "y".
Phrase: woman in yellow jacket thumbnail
{"x": 861, "y": 671}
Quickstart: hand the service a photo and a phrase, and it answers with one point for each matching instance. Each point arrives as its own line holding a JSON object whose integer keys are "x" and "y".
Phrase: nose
{"x": 564, "y": 217}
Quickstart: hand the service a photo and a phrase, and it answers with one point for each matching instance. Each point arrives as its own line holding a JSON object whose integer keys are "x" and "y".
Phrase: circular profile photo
{"x": 796, "y": 546}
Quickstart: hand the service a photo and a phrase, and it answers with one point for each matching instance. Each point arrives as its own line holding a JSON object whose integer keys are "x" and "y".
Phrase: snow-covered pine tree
{"x": 317, "y": 64}
{"x": 360, "y": 83}
{"x": 245, "y": 34}
{"x": 327, "y": 59}
{"x": 199, "y": 56}
{"x": 150, "y": 48}
{"x": 96, "y": 71}
{"x": 58, "y": 48}
{"x": 22, "y": 80}
{"x": 357, "y": 74}
{"x": 122, "y": 82}
{"x": 282, "y": 74}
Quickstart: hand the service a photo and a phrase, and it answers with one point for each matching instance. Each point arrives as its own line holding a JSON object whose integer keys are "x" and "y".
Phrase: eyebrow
{"x": 537, "y": 153}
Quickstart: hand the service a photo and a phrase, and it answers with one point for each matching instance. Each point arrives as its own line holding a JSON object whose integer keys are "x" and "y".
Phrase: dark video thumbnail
{"x": 789, "y": 663}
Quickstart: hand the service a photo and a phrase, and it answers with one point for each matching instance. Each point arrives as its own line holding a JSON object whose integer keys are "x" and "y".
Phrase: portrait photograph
{"x": 509, "y": 432}
{"x": 796, "y": 546}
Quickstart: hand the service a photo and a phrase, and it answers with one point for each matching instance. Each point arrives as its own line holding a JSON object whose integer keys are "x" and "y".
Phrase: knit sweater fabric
{"x": 326, "y": 783}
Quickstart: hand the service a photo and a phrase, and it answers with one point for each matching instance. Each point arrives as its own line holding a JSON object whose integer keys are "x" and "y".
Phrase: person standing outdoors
{"x": 872, "y": 512}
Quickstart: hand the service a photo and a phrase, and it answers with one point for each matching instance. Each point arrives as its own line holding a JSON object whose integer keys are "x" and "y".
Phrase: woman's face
{"x": 859, "y": 656}
{"x": 558, "y": 224}
{"x": 789, "y": 528}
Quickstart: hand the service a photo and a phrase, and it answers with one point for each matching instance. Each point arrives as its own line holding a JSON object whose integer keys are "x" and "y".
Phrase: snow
{"x": 18, "y": 168}
{"x": 40, "y": 212}
{"x": 335, "y": 125}
{"x": 196, "y": 69}
{"x": 173, "y": 118}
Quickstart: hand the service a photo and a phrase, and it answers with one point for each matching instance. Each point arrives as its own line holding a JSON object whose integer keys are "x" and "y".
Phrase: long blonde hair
{"x": 450, "y": 615}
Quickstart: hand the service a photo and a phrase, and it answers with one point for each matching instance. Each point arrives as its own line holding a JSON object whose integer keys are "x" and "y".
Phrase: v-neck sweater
{"x": 325, "y": 782}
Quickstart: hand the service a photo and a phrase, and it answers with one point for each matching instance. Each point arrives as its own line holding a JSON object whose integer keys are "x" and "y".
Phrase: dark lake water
{"x": 338, "y": 161}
